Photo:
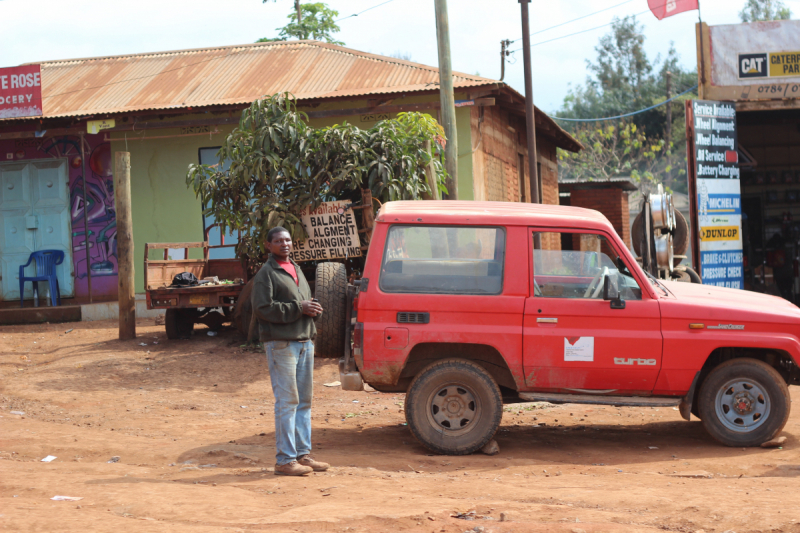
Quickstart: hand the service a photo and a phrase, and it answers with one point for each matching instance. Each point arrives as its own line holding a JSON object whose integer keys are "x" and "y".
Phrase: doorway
{"x": 34, "y": 215}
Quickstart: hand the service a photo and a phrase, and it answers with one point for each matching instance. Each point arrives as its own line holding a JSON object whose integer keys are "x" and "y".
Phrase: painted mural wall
{"x": 98, "y": 204}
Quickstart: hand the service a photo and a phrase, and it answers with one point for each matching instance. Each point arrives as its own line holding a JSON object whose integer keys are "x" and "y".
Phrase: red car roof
{"x": 509, "y": 213}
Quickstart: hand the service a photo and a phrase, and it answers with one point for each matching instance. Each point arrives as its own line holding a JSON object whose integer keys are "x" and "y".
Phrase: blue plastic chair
{"x": 46, "y": 262}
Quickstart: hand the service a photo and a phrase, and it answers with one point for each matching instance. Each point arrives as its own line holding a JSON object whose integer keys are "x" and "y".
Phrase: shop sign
{"x": 769, "y": 65}
{"x": 332, "y": 233}
{"x": 755, "y": 54}
{"x": 719, "y": 203}
{"x": 21, "y": 91}
{"x": 96, "y": 126}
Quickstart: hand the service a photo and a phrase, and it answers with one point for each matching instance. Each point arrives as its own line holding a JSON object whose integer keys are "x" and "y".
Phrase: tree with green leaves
{"x": 317, "y": 22}
{"x": 622, "y": 79}
{"x": 619, "y": 149}
{"x": 279, "y": 166}
{"x": 758, "y": 10}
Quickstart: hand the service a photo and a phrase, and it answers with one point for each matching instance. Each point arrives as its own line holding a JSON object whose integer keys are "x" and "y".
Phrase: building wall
{"x": 164, "y": 209}
{"x": 100, "y": 203}
{"x": 499, "y": 148}
{"x": 613, "y": 203}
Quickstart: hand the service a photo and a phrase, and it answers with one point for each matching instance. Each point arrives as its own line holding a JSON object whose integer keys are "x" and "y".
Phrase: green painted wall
{"x": 465, "y": 189}
{"x": 163, "y": 208}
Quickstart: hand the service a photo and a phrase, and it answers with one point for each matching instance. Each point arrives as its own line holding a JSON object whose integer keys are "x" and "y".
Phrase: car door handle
{"x": 547, "y": 320}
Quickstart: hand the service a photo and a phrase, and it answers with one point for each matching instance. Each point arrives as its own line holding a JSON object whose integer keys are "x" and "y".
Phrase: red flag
{"x": 666, "y": 8}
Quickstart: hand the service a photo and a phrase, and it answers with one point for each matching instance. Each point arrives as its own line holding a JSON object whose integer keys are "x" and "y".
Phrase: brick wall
{"x": 613, "y": 203}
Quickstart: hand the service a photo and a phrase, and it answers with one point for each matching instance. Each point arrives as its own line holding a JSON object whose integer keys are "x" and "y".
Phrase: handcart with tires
{"x": 210, "y": 304}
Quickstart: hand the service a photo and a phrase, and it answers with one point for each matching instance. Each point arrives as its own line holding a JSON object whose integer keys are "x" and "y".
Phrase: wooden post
{"x": 367, "y": 216}
{"x": 122, "y": 202}
{"x": 86, "y": 220}
{"x": 669, "y": 113}
{"x": 430, "y": 174}
{"x": 447, "y": 99}
{"x": 530, "y": 117}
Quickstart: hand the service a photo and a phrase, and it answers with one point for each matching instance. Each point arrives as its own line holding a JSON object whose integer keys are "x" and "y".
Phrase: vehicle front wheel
{"x": 453, "y": 407}
{"x": 744, "y": 402}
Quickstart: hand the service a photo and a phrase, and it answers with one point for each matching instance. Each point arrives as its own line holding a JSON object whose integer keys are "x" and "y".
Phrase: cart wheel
{"x": 179, "y": 323}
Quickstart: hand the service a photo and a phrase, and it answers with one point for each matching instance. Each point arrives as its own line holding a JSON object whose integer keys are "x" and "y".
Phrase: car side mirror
{"x": 611, "y": 292}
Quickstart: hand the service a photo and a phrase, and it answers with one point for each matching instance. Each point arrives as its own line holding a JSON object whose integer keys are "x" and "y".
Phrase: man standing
{"x": 285, "y": 312}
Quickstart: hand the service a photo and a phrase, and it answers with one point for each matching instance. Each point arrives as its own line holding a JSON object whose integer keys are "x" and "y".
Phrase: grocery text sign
{"x": 21, "y": 91}
{"x": 719, "y": 209}
{"x": 332, "y": 233}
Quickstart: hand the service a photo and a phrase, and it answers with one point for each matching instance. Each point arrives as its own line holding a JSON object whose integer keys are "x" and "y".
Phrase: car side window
{"x": 575, "y": 265}
{"x": 443, "y": 260}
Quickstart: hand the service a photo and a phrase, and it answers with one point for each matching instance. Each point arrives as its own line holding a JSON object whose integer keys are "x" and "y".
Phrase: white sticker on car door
{"x": 579, "y": 349}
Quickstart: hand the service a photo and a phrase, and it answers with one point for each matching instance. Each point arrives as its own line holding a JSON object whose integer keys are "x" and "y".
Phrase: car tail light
{"x": 358, "y": 339}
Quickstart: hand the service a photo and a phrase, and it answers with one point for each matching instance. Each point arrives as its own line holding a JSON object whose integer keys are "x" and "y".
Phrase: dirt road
{"x": 191, "y": 422}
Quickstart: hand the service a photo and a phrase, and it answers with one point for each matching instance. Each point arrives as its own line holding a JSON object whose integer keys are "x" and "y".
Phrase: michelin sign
{"x": 719, "y": 204}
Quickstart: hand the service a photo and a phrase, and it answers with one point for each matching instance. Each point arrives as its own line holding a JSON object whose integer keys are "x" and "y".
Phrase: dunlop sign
{"x": 723, "y": 233}
{"x": 719, "y": 203}
{"x": 332, "y": 233}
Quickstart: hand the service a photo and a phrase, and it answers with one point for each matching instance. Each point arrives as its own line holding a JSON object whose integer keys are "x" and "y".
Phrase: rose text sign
{"x": 332, "y": 233}
{"x": 21, "y": 91}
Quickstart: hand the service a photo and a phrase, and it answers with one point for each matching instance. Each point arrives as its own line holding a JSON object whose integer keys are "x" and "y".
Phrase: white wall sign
{"x": 332, "y": 233}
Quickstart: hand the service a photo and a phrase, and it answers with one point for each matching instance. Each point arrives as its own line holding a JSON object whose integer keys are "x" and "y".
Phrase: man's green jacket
{"x": 277, "y": 304}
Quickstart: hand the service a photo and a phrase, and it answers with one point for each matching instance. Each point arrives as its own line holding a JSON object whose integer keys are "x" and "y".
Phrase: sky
{"x": 54, "y": 29}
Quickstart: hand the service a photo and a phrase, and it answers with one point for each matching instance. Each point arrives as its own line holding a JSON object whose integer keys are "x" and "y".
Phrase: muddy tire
{"x": 744, "y": 402}
{"x": 179, "y": 323}
{"x": 637, "y": 230}
{"x": 680, "y": 236}
{"x": 453, "y": 407}
{"x": 331, "y": 290}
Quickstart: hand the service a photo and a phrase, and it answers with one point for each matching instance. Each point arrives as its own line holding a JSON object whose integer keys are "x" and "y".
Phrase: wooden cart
{"x": 187, "y": 306}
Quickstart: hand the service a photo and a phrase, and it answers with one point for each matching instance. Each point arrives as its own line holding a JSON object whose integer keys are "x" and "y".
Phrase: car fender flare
{"x": 685, "y": 406}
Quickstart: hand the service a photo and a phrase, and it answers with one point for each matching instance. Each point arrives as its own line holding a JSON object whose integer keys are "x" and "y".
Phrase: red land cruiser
{"x": 465, "y": 305}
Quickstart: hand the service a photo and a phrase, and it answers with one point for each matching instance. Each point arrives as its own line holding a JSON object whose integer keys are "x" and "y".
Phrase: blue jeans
{"x": 291, "y": 370}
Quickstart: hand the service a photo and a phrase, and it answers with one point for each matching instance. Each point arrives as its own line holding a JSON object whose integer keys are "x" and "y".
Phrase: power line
{"x": 582, "y": 31}
{"x": 626, "y": 114}
{"x": 360, "y": 12}
{"x": 575, "y": 20}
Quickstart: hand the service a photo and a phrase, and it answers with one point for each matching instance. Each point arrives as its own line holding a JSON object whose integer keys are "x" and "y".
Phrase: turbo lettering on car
{"x": 631, "y": 361}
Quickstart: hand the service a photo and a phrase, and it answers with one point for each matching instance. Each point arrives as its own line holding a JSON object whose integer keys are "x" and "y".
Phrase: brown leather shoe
{"x": 292, "y": 468}
{"x": 318, "y": 466}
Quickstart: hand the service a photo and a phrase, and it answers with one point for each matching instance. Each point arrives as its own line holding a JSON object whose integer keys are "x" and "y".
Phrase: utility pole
{"x": 122, "y": 203}
{"x": 447, "y": 99}
{"x": 669, "y": 111}
{"x": 297, "y": 7}
{"x": 503, "y": 54}
{"x": 529, "y": 109}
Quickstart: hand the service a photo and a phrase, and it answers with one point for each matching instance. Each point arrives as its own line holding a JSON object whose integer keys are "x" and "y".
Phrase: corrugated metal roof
{"x": 224, "y": 75}
{"x": 626, "y": 184}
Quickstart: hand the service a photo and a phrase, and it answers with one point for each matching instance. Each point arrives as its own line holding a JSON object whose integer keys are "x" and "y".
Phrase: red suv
{"x": 465, "y": 305}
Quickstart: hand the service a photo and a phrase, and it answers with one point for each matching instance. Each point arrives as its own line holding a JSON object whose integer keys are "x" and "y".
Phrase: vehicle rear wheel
{"x": 453, "y": 407}
{"x": 331, "y": 291}
{"x": 744, "y": 402}
{"x": 179, "y": 323}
